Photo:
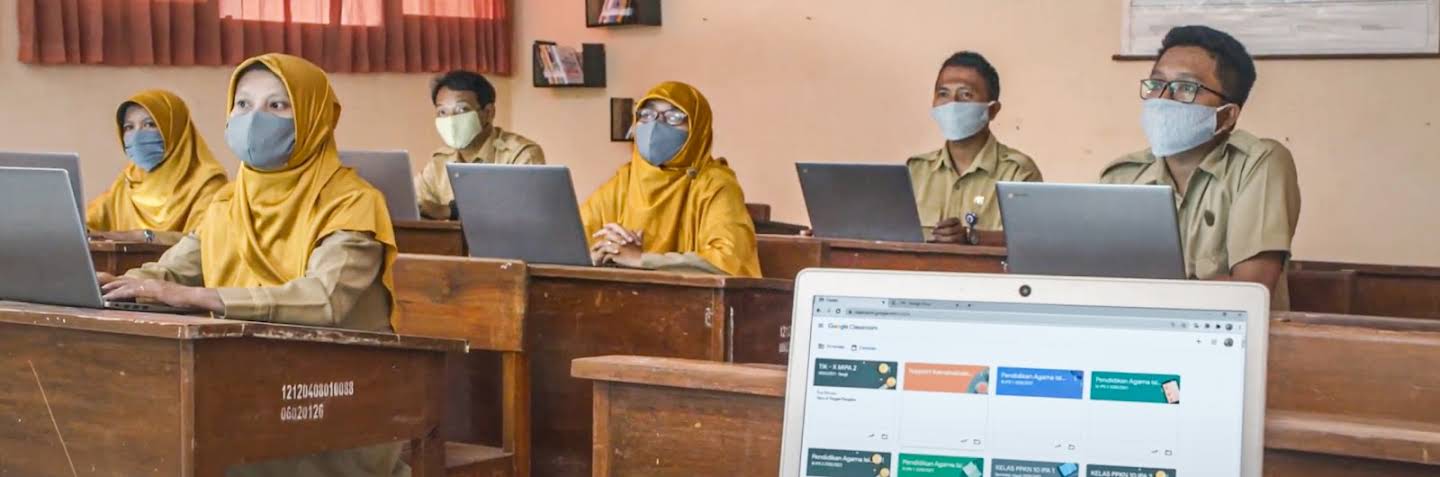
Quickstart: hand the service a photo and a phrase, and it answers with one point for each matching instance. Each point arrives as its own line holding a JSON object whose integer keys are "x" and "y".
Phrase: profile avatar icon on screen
{"x": 884, "y": 472}
{"x": 890, "y": 383}
{"x": 1172, "y": 394}
{"x": 884, "y": 368}
{"x": 980, "y": 384}
{"x": 1161, "y": 473}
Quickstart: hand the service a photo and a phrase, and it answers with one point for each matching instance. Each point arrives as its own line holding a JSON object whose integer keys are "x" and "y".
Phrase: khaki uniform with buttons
{"x": 465, "y": 118}
{"x": 955, "y": 185}
{"x": 1238, "y": 195}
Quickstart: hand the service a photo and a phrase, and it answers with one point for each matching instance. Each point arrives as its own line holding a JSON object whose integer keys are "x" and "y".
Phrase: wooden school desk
{"x": 119, "y": 393}
{"x": 783, "y": 256}
{"x": 430, "y": 237}
{"x": 1363, "y": 289}
{"x": 487, "y": 401}
{"x": 116, "y": 258}
{"x": 1343, "y": 400}
{"x": 576, "y": 312}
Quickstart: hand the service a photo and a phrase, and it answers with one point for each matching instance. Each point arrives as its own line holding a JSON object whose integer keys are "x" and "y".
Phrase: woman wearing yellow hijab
{"x": 297, "y": 238}
{"x": 162, "y": 193}
{"x": 673, "y": 207}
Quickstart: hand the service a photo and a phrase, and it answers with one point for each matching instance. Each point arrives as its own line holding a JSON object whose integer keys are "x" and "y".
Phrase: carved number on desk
{"x": 305, "y": 412}
{"x": 311, "y": 412}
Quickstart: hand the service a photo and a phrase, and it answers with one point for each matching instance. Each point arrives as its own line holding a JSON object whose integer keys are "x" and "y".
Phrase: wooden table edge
{"x": 682, "y": 373}
{"x": 1349, "y": 436}
{"x": 181, "y": 327}
{"x": 655, "y": 277}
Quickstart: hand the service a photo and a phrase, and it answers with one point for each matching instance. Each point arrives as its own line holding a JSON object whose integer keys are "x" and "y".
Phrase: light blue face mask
{"x": 261, "y": 140}
{"x": 146, "y": 148}
{"x": 659, "y": 142}
{"x": 959, "y": 120}
{"x": 1173, "y": 127}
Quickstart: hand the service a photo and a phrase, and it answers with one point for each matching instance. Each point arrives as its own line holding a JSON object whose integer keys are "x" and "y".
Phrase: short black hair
{"x": 1233, "y": 65}
{"x": 977, "y": 62}
{"x": 461, "y": 80}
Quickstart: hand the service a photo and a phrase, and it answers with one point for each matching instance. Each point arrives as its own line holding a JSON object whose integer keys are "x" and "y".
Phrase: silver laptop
{"x": 520, "y": 212}
{"x": 998, "y": 375}
{"x": 69, "y": 162}
{"x": 388, "y": 171}
{"x": 43, "y": 247}
{"x": 861, "y": 201}
{"x": 1123, "y": 231}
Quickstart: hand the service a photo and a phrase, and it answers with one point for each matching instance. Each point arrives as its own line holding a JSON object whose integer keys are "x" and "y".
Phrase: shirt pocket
{"x": 1210, "y": 265}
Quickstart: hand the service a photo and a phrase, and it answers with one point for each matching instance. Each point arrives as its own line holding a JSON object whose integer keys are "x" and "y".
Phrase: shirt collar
{"x": 1155, "y": 172}
{"x": 988, "y": 159}
{"x": 486, "y": 149}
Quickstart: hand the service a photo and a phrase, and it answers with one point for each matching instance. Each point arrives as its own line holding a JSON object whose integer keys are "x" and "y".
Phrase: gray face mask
{"x": 261, "y": 140}
{"x": 659, "y": 142}
{"x": 1173, "y": 127}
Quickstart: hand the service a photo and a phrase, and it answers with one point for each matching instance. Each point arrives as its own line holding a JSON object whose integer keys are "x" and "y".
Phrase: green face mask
{"x": 459, "y": 130}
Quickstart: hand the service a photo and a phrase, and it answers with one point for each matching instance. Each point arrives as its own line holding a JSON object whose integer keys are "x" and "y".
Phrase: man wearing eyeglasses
{"x": 955, "y": 185}
{"x": 1238, "y": 195}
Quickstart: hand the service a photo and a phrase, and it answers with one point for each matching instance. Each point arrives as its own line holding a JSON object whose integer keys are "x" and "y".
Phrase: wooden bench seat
{"x": 470, "y": 460}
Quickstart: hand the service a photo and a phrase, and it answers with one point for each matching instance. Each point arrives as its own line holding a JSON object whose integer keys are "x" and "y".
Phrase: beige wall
{"x": 72, "y": 108}
{"x": 849, "y": 81}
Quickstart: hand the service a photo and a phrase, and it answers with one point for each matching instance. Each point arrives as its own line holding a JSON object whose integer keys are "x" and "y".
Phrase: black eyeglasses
{"x": 1180, "y": 90}
{"x": 673, "y": 117}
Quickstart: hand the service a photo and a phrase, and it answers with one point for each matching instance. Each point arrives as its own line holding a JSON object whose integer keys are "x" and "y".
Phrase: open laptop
{"x": 520, "y": 212}
{"x": 69, "y": 162}
{"x": 43, "y": 246}
{"x": 861, "y": 201}
{"x": 896, "y": 373}
{"x": 1122, "y": 231}
{"x": 388, "y": 171}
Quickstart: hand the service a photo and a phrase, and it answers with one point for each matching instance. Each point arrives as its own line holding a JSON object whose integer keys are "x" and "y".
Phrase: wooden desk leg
{"x": 427, "y": 456}
{"x": 600, "y": 435}
{"x": 210, "y": 467}
{"x": 516, "y": 370}
{"x": 428, "y": 451}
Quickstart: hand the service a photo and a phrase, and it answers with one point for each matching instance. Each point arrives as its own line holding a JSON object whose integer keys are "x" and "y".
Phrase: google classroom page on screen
{"x": 922, "y": 388}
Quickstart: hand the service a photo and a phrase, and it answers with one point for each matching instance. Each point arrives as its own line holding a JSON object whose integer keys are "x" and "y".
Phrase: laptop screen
{"x": 902, "y": 387}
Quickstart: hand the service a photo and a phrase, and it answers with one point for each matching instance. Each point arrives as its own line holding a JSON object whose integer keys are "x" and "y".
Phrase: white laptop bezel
{"x": 1251, "y": 298}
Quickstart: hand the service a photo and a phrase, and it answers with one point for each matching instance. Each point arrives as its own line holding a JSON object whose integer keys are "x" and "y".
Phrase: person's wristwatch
{"x": 149, "y": 235}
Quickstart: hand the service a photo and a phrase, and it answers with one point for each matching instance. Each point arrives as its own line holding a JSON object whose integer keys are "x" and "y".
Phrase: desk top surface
{"x": 1405, "y": 271}
{"x": 126, "y": 247}
{"x": 622, "y": 275}
{"x": 182, "y": 327}
{"x": 878, "y": 246}
{"x": 442, "y": 225}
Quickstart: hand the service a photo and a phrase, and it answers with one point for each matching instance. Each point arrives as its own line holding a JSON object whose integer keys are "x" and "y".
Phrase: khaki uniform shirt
{"x": 1243, "y": 200}
{"x": 941, "y": 192}
{"x": 432, "y": 185}
{"x": 340, "y": 289}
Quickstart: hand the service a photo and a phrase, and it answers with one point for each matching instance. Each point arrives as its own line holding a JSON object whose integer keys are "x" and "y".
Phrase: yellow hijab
{"x": 171, "y": 198}
{"x": 693, "y": 204}
{"x": 261, "y": 231}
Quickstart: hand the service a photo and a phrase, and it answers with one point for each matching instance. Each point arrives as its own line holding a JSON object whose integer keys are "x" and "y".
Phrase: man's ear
{"x": 1227, "y": 118}
{"x": 488, "y": 113}
{"x": 994, "y": 109}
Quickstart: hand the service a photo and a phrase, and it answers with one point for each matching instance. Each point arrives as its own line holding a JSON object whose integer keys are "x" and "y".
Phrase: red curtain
{"x": 339, "y": 35}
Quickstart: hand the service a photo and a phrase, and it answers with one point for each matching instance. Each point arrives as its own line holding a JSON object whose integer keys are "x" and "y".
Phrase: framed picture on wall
{"x": 1292, "y": 28}
{"x": 622, "y": 116}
